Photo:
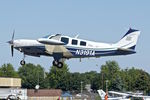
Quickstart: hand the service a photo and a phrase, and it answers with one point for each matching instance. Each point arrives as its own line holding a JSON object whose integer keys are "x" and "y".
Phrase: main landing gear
{"x": 57, "y": 63}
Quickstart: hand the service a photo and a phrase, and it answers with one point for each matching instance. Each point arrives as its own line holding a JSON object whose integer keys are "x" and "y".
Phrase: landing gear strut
{"x": 22, "y": 62}
{"x": 58, "y": 64}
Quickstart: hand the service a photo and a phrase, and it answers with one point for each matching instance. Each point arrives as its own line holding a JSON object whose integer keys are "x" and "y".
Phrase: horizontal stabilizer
{"x": 126, "y": 51}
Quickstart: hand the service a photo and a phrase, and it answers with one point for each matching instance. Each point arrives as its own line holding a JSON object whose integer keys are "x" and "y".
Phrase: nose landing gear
{"x": 22, "y": 62}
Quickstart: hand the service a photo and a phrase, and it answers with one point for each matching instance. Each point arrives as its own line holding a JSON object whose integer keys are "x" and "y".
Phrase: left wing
{"x": 54, "y": 45}
{"x": 50, "y": 49}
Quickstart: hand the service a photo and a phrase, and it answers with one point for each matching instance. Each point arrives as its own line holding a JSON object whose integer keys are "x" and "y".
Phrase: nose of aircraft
{"x": 39, "y": 40}
{"x": 10, "y": 42}
{"x": 42, "y": 40}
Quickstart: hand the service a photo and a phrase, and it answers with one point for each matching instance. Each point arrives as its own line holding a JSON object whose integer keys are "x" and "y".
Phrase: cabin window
{"x": 82, "y": 43}
{"x": 65, "y": 40}
{"x": 74, "y": 42}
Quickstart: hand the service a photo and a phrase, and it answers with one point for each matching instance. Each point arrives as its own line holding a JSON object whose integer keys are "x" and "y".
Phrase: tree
{"x": 142, "y": 82}
{"x": 110, "y": 72}
{"x": 93, "y": 78}
{"x": 135, "y": 79}
{"x": 31, "y": 76}
{"x": 59, "y": 78}
{"x": 117, "y": 84}
{"x": 110, "y": 69}
{"x": 75, "y": 82}
{"x": 89, "y": 76}
{"x": 119, "y": 80}
{"x": 96, "y": 82}
{"x": 7, "y": 70}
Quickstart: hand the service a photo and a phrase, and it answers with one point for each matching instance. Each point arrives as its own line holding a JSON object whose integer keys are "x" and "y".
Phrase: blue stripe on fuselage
{"x": 76, "y": 52}
{"x": 90, "y": 52}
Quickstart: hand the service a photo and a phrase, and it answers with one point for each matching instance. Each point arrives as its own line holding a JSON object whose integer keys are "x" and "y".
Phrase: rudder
{"x": 129, "y": 40}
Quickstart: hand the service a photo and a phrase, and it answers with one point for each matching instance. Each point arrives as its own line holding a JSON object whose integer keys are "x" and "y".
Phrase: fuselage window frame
{"x": 74, "y": 42}
{"x": 65, "y": 40}
{"x": 82, "y": 43}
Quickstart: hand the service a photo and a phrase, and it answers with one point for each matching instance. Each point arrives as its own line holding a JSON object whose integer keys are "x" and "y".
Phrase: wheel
{"x": 55, "y": 63}
{"x": 11, "y": 97}
{"x": 59, "y": 65}
{"x": 18, "y": 98}
{"x": 22, "y": 62}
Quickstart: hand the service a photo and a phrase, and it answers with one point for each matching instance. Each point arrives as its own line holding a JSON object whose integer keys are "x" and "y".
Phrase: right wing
{"x": 50, "y": 41}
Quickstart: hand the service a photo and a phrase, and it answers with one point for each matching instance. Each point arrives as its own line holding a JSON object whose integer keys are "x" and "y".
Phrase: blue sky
{"x": 103, "y": 21}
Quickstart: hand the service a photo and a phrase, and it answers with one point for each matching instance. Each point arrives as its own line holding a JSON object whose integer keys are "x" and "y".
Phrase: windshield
{"x": 46, "y": 36}
{"x": 56, "y": 37}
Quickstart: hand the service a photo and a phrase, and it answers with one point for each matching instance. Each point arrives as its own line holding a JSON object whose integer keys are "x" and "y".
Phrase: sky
{"x": 98, "y": 20}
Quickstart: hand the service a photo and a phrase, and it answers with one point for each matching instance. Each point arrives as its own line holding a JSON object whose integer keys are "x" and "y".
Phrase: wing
{"x": 119, "y": 93}
{"x": 51, "y": 49}
{"x": 54, "y": 45}
{"x": 50, "y": 41}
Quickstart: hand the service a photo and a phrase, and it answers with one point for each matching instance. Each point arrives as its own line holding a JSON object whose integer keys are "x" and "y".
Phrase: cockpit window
{"x": 55, "y": 37}
{"x": 65, "y": 40}
{"x": 51, "y": 37}
{"x": 74, "y": 42}
{"x": 82, "y": 43}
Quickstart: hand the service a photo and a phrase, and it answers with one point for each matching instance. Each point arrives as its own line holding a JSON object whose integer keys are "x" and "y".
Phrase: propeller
{"x": 11, "y": 42}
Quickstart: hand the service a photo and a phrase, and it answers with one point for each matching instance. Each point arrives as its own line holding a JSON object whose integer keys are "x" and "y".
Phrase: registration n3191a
{"x": 85, "y": 52}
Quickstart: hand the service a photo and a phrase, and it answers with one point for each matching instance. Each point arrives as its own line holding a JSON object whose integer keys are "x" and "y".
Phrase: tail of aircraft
{"x": 129, "y": 40}
{"x": 101, "y": 93}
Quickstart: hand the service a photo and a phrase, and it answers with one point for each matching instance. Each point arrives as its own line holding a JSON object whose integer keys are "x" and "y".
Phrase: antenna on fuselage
{"x": 76, "y": 36}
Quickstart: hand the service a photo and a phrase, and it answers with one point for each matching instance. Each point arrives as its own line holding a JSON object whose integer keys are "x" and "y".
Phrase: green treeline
{"x": 118, "y": 79}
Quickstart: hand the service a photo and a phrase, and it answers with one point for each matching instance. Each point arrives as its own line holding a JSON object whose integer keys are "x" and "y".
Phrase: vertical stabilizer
{"x": 101, "y": 93}
{"x": 129, "y": 40}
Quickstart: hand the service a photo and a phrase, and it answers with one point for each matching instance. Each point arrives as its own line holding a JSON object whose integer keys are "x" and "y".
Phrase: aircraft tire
{"x": 22, "y": 62}
{"x": 55, "y": 63}
{"x": 10, "y": 97}
{"x": 59, "y": 65}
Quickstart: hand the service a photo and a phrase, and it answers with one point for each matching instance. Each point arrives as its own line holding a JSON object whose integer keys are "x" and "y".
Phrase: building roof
{"x": 44, "y": 92}
{"x": 10, "y": 82}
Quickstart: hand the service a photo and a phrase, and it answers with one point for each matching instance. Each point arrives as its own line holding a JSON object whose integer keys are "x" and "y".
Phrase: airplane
{"x": 64, "y": 47}
{"x": 102, "y": 95}
{"x": 129, "y": 94}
